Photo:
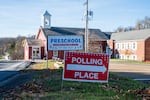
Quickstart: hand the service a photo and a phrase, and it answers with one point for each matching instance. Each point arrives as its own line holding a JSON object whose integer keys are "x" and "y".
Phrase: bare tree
{"x": 120, "y": 29}
{"x": 143, "y": 24}
{"x": 147, "y": 22}
{"x": 138, "y": 25}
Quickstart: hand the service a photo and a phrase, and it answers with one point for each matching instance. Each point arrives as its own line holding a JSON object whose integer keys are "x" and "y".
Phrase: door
{"x": 36, "y": 53}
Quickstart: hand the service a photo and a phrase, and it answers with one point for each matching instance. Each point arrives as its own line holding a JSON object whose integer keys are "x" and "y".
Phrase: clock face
{"x": 46, "y": 21}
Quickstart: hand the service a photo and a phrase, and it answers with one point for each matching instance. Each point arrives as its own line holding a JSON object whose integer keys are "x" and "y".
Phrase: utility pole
{"x": 86, "y": 28}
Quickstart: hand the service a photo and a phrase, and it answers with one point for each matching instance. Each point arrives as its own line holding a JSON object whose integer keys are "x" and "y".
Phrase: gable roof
{"x": 94, "y": 34}
{"x": 131, "y": 35}
{"x": 34, "y": 42}
{"x": 46, "y": 13}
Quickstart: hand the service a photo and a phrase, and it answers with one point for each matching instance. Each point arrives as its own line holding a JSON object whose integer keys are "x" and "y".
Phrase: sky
{"x": 23, "y": 17}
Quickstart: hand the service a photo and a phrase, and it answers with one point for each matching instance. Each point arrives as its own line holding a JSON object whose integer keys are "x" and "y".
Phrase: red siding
{"x": 140, "y": 52}
{"x": 147, "y": 50}
{"x": 61, "y": 54}
{"x": 42, "y": 52}
{"x": 50, "y": 54}
{"x": 30, "y": 52}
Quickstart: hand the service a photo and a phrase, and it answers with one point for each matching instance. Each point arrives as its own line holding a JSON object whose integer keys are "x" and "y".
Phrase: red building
{"x": 131, "y": 45}
{"x": 37, "y": 48}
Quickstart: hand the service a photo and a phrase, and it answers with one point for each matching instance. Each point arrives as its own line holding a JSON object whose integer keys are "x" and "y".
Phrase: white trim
{"x": 91, "y": 68}
{"x": 55, "y": 53}
{"x": 39, "y": 56}
{"x": 134, "y": 47}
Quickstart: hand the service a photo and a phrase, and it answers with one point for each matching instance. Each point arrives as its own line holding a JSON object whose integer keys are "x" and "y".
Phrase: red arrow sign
{"x": 88, "y": 67}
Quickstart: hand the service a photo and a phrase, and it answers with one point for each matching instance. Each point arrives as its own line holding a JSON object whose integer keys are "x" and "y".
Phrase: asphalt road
{"x": 134, "y": 71}
{"x": 9, "y": 69}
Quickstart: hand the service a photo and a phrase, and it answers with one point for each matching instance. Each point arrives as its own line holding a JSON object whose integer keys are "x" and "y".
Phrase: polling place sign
{"x": 69, "y": 42}
{"x": 86, "y": 67}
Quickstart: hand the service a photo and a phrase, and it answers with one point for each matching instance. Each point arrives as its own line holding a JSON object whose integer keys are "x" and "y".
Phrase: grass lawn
{"x": 43, "y": 65}
{"x": 48, "y": 85}
{"x": 1, "y": 57}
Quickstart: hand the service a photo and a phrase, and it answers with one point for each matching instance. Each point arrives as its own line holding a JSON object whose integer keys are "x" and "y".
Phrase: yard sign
{"x": 86, "y": 67}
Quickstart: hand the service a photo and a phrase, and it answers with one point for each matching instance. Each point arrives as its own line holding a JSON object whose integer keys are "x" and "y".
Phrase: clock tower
{"x": 46, "y": 20}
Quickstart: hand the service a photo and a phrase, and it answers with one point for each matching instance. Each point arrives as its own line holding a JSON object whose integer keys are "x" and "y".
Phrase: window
{"x": 127, "y": 57}
{"x": 128, "y": 46}
{"x": 121, "y": 56}
{"x": 134, "y": 45}
{"x": 117, "y": 46}
{"x": 134, "y": 57}
{"x": 55, "y": 53}
{"x": 123, "y": 46}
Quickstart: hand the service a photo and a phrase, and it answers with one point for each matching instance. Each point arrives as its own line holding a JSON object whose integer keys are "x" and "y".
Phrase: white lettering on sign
{"x": 79, "y": 60}
{"x": 86, "y": 75}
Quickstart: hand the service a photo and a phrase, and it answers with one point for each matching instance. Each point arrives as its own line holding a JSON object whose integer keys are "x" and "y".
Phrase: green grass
{"x": 50, "y": 83}
{"x": 43, "y": 65}
{"x": 118, "y": 88}
{"x": 1, "y": 57}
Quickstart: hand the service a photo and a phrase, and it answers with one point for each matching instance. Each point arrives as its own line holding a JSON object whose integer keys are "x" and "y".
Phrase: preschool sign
{"x": 87, "y": 67}
{"x": 69, "y": 42}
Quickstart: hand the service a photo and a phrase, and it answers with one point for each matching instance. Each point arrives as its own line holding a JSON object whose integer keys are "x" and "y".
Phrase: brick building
{"x": 132, "y": 45}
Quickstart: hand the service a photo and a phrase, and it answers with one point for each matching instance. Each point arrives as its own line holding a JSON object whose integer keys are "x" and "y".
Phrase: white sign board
{"x": 69, "y": 42}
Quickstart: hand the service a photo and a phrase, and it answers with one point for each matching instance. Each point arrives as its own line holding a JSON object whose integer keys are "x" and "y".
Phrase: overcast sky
{"x": 23, "y": 17}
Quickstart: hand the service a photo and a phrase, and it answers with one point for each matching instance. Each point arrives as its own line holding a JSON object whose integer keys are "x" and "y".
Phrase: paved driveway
{"x": 9, "y": 69}
{"x": 134, "y": 71}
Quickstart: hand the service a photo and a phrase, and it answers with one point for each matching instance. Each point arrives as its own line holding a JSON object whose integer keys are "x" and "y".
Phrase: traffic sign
{"x": 86, "y": 67}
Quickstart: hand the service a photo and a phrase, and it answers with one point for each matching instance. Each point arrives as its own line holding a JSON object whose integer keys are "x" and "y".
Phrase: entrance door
{"x": 36, "y": 53}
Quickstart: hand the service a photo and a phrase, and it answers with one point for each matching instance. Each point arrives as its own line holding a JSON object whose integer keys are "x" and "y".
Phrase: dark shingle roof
{"x": 94, "y": 34}
{"x": 131, "y": 35}
{"x": 34, "y": 42}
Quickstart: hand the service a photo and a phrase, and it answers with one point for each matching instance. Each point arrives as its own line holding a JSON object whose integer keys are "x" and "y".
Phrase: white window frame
{"x": 134, "y": 57}
{"x": 134, "y": 45}
{"x": 128, "y": 45}
{"x": 117, "y": 46}
{"x": 38, "y": 56}
{"x": 123, "y": 46}
{"x": 55, "y": 53}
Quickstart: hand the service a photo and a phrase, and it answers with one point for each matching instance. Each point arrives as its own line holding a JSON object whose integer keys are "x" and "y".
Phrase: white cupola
{"x": 46, "y": 20}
